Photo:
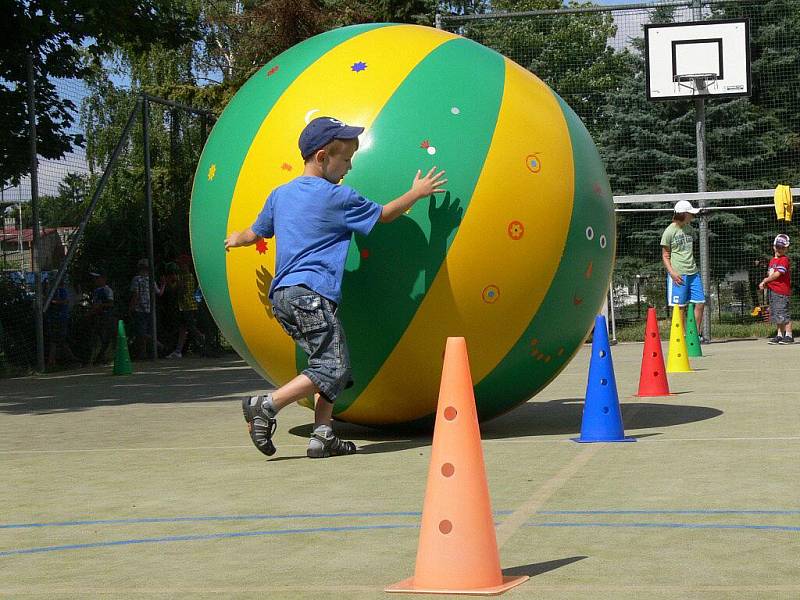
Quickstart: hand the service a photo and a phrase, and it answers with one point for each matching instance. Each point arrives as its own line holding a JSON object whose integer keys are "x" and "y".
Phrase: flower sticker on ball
{"x": 261, "y": 246}
{"x": 426, "y": 145}
{"x": 533, "y": 162}
{"x": 516, "y": 230}
{"x": 490, "y": 294}
{"x": 272, "y": 71}
{"x": 359, "y": 66}
{"x": 212, "y": 171}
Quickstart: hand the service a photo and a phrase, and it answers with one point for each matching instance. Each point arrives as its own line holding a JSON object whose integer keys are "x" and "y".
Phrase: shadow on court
{"x": 555, "y": 417}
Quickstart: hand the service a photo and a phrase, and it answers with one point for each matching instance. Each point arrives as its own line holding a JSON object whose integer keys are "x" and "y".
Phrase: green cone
{"x": 122, "y": 360}
{"x": 692, "y": 337}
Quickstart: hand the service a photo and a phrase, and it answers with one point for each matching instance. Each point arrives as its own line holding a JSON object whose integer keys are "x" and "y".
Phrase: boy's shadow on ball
{"x": 386, "y": 279}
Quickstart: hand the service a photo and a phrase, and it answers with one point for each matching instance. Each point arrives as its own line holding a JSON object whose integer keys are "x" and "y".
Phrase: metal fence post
{"x": 700, "y": 135}
{"x": 36, "y": 259}
{"x": 148, "y": 195}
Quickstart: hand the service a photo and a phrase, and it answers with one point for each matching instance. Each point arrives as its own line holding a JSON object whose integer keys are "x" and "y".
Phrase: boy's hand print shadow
{"x": 444, "y": 219}
{"x": 397, "y": 264}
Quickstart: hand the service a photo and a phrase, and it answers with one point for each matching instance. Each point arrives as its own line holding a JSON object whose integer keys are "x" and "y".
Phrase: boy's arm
{"x": 421, "y": 186}
{"x": 665, "y": 257}
{"x": 773, "y": 275}
{"x": 236, "y": 239}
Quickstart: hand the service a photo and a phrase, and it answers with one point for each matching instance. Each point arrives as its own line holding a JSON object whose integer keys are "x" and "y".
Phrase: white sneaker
{"x": 175, "y": 354}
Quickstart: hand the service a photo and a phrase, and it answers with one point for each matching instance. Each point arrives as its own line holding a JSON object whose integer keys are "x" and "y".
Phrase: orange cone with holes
{"x": 457, "y": 551}
{"x": 653, "y": 376}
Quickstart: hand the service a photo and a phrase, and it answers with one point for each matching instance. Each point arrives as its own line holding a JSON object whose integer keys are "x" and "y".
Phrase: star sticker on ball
{"x": 272, "y": 71}
{"x": 212, "y": 171}
{"x": 261, "y": 246}
{"x": 426, "y": 145}
{"x": 359, "y": 66}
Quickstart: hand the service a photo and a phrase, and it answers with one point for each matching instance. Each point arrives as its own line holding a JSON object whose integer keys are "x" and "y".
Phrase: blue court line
{"x": 194, "y": 538}
{"x": 669, "y": 526}
{"x": 265, "y": 517}
{"x": 216, "y": 536}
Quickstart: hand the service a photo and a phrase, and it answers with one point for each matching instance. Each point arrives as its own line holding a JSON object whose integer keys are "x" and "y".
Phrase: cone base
{"x": 407, "y": 586}
{"x": 689, "y": 370}
{"x": 581, "y": 441}
{"x": 654, "y": 395}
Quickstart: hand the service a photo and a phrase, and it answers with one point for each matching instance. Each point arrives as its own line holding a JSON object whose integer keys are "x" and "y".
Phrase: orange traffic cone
{"x": 457, "y": 552}
{"x": 653, "y": 376}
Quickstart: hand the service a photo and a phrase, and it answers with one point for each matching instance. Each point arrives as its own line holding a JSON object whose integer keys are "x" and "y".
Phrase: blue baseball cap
{"x": 322, "y": 131}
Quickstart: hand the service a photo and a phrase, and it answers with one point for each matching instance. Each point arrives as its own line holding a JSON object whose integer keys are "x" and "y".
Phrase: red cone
{"x": 653, "y": 376}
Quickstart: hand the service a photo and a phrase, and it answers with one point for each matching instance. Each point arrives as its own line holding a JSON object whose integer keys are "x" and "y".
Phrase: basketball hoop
{"x": 698, "y": 83}
{"x": 697, "y": 59}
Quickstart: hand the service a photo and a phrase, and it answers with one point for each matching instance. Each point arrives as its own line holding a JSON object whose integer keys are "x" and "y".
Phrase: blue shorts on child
{"x": 690, "y": 291}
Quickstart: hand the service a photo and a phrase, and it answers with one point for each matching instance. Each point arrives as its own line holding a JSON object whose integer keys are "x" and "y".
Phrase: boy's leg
{"x": 299, "y": 387}
{"x": 323, "y": 442}
{"x": 698, "y": 317}
{"x": 260, "y": 412}
{"x": 697, "y": 296}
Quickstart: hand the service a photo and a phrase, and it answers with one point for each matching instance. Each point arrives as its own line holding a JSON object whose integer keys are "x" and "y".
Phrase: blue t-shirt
{"x": 313, "y": 221}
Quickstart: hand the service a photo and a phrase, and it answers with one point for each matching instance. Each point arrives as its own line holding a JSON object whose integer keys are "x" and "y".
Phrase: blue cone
{"x": 602, "y": 420}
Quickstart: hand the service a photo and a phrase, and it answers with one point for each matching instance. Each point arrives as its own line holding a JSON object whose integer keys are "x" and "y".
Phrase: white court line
{"x": 645, "y": 440}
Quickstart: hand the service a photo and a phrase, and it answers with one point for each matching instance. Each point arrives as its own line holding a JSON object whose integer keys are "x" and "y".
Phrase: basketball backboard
{"x": 709, "y": 58}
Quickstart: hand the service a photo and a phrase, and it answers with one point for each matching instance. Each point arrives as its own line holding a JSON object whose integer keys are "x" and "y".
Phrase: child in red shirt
{"x": 778, "y": 281}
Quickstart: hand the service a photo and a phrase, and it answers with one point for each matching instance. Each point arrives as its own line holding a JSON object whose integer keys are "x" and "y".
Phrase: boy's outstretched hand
{"x": 230, "y": 241}
{"x": 431, "y": 183}
{"x": 240, "y": 238}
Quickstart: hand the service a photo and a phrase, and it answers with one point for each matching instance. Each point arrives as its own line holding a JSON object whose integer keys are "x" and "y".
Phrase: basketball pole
{"x": 700, "y": 133}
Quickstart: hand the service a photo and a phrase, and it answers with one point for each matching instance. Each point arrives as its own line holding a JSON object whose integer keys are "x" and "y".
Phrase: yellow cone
{"x": 678, "y": 360}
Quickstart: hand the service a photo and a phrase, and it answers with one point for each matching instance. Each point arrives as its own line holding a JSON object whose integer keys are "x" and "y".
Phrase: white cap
{"x": 684, "y": 206}
{"x": 781, "y": 240}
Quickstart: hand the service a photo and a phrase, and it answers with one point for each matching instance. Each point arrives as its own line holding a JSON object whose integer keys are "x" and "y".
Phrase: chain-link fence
{"x": 591, "y": 55}
{"x": 741, "y": 232}
{"x": 106, "y": 222}
{"x": 594, "y": 58}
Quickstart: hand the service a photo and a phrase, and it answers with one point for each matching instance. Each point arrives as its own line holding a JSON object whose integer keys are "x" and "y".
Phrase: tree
{"x": 569, "y": 52}
{"x": 61, "y": 34}
{"x": 771, "y": 122}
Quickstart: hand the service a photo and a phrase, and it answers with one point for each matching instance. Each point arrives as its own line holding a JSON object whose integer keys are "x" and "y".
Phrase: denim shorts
{"x": 779, "y": 308}
{"x": 311, "y": 321}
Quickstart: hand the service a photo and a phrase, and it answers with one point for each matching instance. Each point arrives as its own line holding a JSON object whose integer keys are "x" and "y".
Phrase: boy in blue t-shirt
{"x": 313, "y": 218}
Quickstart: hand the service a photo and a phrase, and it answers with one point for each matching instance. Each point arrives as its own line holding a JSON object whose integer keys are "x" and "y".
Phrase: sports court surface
{"x": 147, "y": 486}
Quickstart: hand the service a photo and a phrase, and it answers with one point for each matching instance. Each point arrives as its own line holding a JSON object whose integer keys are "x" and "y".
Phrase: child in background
{"x": 778, "y": 282}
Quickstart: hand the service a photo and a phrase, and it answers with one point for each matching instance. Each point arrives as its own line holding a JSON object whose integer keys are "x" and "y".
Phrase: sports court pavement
{"x": 148, "y": 487}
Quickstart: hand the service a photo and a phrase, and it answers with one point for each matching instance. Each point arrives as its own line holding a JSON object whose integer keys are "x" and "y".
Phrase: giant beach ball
{"x": 516, "y": 257}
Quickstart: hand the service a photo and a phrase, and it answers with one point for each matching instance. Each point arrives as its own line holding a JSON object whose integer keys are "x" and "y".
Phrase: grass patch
{"x": 719, "y": 331}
